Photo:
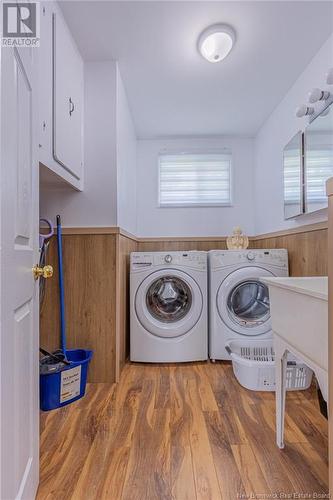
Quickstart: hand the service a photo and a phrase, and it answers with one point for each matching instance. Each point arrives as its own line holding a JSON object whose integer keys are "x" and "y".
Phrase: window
{"x": 195, "y": 179}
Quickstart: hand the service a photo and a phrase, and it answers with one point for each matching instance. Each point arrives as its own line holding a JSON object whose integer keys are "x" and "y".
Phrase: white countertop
{"x": 316, "y": 286}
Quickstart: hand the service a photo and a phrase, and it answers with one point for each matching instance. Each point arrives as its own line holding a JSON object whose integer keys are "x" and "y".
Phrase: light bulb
{"x": 304, "y": 110}
{"x": 318, "y": 95}
{"x": 329, "y": 78}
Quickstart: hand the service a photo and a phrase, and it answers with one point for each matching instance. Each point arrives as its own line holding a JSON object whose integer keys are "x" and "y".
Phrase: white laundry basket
{"x": 253, "y": 363}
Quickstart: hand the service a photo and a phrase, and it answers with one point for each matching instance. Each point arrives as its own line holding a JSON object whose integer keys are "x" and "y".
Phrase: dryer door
{"x": 168, "y": 303}
{"x": 243, "y": 301}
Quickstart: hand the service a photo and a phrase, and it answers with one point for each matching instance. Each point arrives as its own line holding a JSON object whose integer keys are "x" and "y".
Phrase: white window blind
{"x": 195, "y": 179}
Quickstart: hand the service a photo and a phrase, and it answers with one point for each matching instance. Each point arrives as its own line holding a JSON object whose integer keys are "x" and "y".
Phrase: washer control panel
{"x": 250, "y": 256}
{"x": 192, "y": 259}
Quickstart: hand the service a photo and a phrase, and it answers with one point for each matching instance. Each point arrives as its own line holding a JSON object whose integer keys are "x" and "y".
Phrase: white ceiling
{"x": 173, "y": 91}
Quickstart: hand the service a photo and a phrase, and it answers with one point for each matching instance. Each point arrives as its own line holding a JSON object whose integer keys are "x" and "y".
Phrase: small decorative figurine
{"x": 238, "y": 240}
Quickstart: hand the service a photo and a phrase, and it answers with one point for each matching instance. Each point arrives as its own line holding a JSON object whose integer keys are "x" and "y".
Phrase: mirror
{"x": 293, "y": 177}
{"x": 318, "y": 160}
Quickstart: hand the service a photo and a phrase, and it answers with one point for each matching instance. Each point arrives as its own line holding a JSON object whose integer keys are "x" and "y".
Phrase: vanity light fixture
{"x": 318, "y": 95}
{"x": 329, "y": 78}
{"x": 215, "y": 42}
{"x": 304, "y": 110}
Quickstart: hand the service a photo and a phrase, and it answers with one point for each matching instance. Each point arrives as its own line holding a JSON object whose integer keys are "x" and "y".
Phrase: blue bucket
{"x": 68, "y": 384}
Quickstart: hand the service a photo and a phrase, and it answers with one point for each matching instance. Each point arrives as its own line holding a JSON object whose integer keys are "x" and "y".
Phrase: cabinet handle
{"x": 71, "y": 106}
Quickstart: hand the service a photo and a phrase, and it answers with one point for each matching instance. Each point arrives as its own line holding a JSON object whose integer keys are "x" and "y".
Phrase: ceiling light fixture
{"x": 216, "y": 41}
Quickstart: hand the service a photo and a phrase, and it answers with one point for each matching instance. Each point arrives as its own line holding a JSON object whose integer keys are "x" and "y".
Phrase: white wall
{"x": 121, "y": 175}
{"x": 126, "y": 162}
{"x": 271, "y": 139}
{"x": 213, "y": 221}
{"x": 97, "y": 204}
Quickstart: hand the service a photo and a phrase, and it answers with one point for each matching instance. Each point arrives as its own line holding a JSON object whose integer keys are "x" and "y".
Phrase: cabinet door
{"x": 67, "y": 99}
{"x": 318, "y": 159}
{"x": 293, "y": 177}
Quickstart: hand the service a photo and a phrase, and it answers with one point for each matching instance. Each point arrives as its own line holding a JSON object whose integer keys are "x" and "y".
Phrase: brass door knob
{"x": 44, "y": 272}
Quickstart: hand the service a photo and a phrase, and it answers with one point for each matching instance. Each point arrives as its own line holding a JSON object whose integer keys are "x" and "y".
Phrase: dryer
{"x": 168, "y": 307}
{"x": 238, "y": 299}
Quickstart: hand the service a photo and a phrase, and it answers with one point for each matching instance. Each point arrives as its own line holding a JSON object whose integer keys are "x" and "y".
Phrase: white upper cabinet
{"x": 61, "y": 98}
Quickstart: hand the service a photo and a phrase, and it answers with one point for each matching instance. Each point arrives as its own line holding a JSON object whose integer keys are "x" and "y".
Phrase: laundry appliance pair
{"x": 186, "y": 306}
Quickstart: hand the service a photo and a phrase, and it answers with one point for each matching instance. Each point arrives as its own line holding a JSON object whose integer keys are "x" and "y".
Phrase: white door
{"x": 19, "y": 378}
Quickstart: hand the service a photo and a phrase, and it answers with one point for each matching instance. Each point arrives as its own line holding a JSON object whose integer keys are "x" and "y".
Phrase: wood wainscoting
{"x": 96, "y": 296}
{"x": 306, "y": 245}
{"x": 180, "y": 244}
{"x": 96, "y": 262}
{"x": 125, "y": 245}
{"x": 307, "y": 248}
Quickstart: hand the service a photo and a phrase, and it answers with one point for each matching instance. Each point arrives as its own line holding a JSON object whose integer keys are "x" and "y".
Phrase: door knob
{"x": 44, "y": 272}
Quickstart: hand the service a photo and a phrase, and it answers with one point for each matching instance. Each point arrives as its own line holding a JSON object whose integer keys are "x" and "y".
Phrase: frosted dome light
{"x": 216, "y": 42}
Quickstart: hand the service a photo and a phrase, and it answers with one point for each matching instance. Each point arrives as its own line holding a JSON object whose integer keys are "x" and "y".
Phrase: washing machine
{"x": 168, "y": 307}
{"x": 238, "y": 299}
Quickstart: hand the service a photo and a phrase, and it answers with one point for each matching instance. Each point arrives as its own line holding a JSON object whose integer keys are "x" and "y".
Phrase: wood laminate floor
{"x": 179, "y": 432}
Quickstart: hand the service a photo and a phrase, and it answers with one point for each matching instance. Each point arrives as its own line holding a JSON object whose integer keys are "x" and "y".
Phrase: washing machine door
{"x": 168, "y": 303}
{"x": 243, "y": 301}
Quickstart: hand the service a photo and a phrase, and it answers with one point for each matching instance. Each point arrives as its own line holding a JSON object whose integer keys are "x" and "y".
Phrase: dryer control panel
{"x": 272, "y": 257}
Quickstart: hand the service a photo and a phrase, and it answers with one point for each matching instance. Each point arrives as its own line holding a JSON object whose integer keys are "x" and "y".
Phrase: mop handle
{"x": 61, "y": 288}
